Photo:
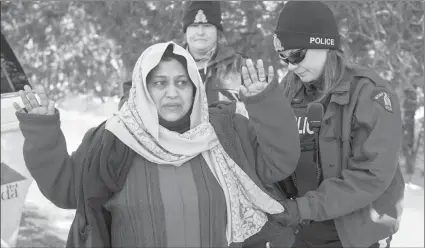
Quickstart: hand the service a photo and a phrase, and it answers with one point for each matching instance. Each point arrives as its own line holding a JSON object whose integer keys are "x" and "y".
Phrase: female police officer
{"x": 347, "y": 188}
{"x": 218, "y": 64}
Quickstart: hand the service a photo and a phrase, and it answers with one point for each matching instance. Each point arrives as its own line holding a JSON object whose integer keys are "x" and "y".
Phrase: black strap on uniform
{"x": 316, "y": 158}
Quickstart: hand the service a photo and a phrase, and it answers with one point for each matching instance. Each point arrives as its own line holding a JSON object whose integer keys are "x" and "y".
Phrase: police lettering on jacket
{"x": 303, "y": 126}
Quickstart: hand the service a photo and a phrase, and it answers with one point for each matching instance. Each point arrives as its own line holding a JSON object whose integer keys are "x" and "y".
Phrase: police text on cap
{"x": 322, "y": 41}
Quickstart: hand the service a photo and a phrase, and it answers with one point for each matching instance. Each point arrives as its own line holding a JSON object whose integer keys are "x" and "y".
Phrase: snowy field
{"x": 45, "y": 225}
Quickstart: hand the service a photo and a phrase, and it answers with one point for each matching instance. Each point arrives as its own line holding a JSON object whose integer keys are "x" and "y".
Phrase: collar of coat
{"x": 341, "y": 93}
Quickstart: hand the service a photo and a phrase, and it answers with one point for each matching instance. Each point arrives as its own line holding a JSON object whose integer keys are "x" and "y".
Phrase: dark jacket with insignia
{"x": 360, "y": 140}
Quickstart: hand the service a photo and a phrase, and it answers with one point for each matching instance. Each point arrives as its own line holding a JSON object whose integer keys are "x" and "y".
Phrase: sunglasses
{"x": 295, "y": 57}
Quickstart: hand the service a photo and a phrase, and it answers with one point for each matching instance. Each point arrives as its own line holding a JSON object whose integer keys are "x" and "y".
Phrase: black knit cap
{"x": 202, "y": 12}
{"x": 306, "y": 24}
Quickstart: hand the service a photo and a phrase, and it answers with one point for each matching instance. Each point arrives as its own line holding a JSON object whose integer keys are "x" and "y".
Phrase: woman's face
{"x": 311, "y": 67}
{"x": 201, "y": 37}
{"x": 171, "y": 90}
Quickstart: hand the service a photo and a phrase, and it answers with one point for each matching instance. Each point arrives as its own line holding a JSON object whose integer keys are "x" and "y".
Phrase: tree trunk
{"x": 409, "y": 147}
{"x": 251, "y": 23}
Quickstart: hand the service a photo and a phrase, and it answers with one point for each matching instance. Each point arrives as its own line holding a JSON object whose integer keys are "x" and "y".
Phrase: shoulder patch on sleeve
{"x": 383, "y": 98}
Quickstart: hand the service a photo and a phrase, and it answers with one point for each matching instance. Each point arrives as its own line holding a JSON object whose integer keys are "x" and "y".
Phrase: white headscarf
{"x": 137, "y": 126}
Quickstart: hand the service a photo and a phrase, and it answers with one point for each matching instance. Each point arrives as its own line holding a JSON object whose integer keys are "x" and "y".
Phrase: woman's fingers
{"x": 270, "y": 74}
{"x": 255, "y": 79}
{"x": 32, "y": 105}
{"x": 261, "y": 71}
{"x": 25, "y": 100}
{"x": 31, "y": 97}
{"x": 252, "y": 71}
{"x": 18, "y": 108}
{"x": 244, "y": 90}
{"x": 245, "y": 76}
{"x": 51, "y": 108}
{"x": 44, "y": 101}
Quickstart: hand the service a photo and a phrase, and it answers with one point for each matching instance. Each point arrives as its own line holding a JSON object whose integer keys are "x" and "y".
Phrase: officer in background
{"x": 218, "y": 64}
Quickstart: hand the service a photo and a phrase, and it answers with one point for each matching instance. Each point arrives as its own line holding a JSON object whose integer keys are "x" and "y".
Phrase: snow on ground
{"x": 45, "y": 225}
{"x": 411, "y": 232}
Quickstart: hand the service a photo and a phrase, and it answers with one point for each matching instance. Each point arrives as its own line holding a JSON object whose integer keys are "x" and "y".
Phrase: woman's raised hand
{"x": 46, "y": 106}
{"x": 255, "y": 80}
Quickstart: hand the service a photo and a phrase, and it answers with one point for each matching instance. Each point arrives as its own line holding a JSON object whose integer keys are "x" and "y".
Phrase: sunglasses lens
{"x": 294, "y": 58}
{"x": 297, "y": 57}
{"x": 285, "y": 59}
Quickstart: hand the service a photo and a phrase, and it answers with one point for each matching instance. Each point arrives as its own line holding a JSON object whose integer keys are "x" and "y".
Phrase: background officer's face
{"x": 201, "y": 37}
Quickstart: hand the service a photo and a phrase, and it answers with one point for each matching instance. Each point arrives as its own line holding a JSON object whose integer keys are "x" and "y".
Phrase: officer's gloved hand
{"x": 291, "y": 216}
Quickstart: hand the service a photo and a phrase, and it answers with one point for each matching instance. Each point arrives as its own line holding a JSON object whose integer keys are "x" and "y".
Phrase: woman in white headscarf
{"x": 166, "y": 171}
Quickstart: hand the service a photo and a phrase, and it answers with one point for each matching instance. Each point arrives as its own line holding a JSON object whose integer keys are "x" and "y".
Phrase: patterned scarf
{"x": 136, "y": 125}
